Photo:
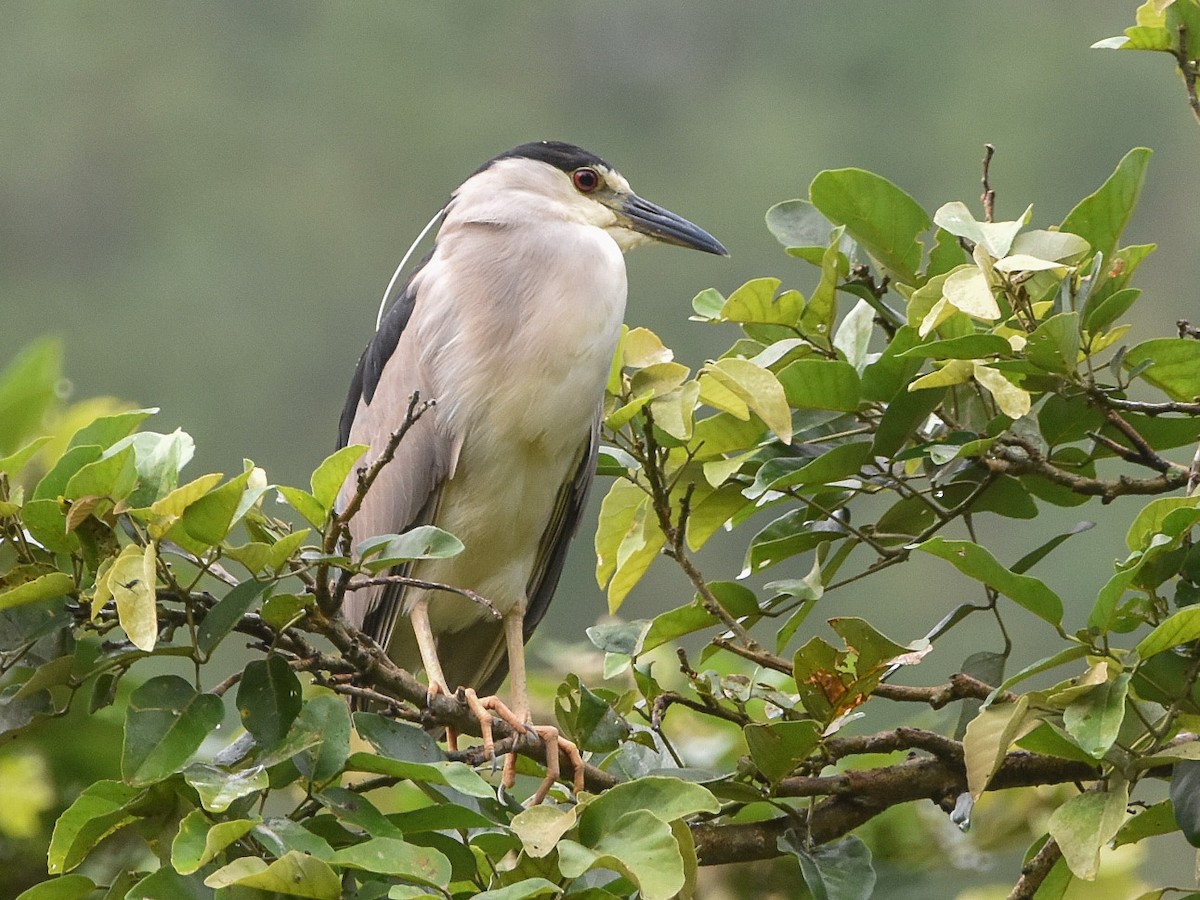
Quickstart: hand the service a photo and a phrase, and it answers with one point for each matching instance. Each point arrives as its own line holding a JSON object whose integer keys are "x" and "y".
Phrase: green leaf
{"x": 1174, "y": 366}
{"x": 970, "y": 346}
{"x": 798, "y": 224}
{"x": 755, "y": 302}
{"x": 853, "y": 335}
{"x": 1085, "y": 823}
{"x": 105, "y": 431}
{"x": 179, "y": 499}
{"x": 790, "y": 534}
{"x": 627, "y": 540}
{"x": 667, "y": 798}
{"x": 976, "y": 562}
{"x": 28, "y": 390}
{"x": 166, "y": 721}
{"x": 707, "y": 305}
{"x": 209, "y": 519}
{"x": 398, "y": 740}
{"x": 522, "y": 890}
{"x": 330, "y": 716}
{"x": 198, "y": 840}
{"x": 305, "y": 504}
{"x": 218, "y": 788}
{"x": 821, "y": 384}
{"x": 641, "y": 347}
{"x": 219, "y": 621}
{"x": 331, "y": 474}
{"x": 1099, "y": 316}
{"x": 43, "y": 587}
{"x": 1150, "y": 822}
{"x": 639, "y": 845}
{"x": 390, "y": 856}
{"x": 457, "y": 775}
{"x": 54, "y": 482}
{"x": 163, "y": 885}
{"x": 100, "y": 810}
{"x": 1181, "y": 628}
{"x": 1033, "y": 557}
{"x": 279, "y": 835}
{"x": 589, "y": 719}
{"x": 293, "y": 874}
{"x": 66, "y": 887}
{"x": 159, "y": 458}
{"x": 268, "y": 699}
{"x": 1101, "y": 217}
{"x": 881, "y": 217}
{"x": 1160, "y": 516}
{"x": 422, "y": 542}
{"x": 674, "y": 624}
{"x": 779, "y": 747}
{"x": 1094, "y": 719}
{"x": 15, "y": 462}
{"x": 842, "y": 461}
{"x": 839, "y": 870}
{"x": 1054, "y": 344}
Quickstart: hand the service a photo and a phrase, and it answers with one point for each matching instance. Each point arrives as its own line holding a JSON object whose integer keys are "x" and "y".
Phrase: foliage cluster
{"x": 947, "y": 368}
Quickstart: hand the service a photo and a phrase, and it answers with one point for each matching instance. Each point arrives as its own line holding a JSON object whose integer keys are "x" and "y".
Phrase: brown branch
{"x": 1034, "y": 872}
{"x": 755, "y": 655}
{"x": 857, "y": 796}
{"x": 960, "y": 687}
{"x": 1189, "y": 70}
{"x": 375, "y": 670}
{"x": 1012, "y": 456}
{"x": 1147, "y": 455}
{"x": 903, "y": 738}
{"x": 1103, "y": 398}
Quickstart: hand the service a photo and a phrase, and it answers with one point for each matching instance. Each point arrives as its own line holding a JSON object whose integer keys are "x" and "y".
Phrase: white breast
{"x": 521, "y": 377}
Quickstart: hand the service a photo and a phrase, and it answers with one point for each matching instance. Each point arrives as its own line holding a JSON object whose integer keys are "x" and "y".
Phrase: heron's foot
{"x": 555, "y": 744}
{"x": 483, "y": 708}
{"x": 439, "y": 689}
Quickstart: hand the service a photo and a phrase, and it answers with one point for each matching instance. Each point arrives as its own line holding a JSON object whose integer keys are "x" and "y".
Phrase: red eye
{"x": 585, "y": 180}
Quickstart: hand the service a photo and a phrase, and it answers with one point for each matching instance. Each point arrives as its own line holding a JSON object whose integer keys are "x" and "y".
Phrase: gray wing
{"x": 406, "y": 492}
{"x": 480, "y": 658}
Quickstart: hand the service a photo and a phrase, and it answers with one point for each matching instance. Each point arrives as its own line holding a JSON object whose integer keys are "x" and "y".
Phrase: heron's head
{"x": 553, "y": 180}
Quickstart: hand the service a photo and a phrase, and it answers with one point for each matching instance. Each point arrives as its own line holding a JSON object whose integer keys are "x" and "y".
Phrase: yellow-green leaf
{"x": 641, "y": 347}
{"x": 957, "y": 371}
{"x": 967, "y": 289}
{"x": 759, "y": 389}
{"x": 131, "y": 580}
{"x": 1013, "y": 401}
{"x": 1085, "y": 824}
{"x": 988, "y": 737}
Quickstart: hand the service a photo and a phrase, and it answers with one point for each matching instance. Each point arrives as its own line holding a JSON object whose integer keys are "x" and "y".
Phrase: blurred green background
{"x": 205, "y": 200}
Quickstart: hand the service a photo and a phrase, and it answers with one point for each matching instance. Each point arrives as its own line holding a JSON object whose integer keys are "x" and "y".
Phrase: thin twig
{"x": 378, "y": 580}
{"x": 989, "y": 196}
{"x": 1189, "y": 70}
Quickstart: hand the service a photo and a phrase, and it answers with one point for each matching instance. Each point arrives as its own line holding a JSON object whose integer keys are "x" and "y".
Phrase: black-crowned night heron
{"x": 509, "y": 325}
